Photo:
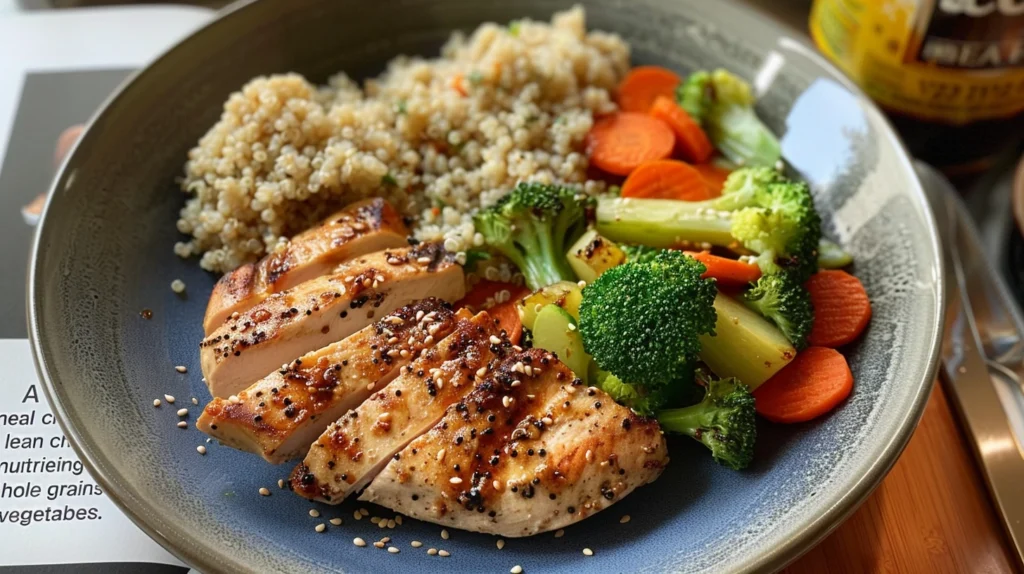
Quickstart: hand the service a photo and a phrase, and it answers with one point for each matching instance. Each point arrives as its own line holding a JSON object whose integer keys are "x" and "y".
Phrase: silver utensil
{"x": 983, "y": 356}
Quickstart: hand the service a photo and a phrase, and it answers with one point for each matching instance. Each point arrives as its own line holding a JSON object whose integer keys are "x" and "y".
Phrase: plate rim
{"x": 801, "y": 540}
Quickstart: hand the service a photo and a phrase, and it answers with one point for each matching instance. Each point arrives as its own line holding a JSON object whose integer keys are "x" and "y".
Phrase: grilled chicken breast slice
{"x": 360, "y": 228}
{"x": 354, "y": 449}
{"x": 321, "y": 311}
{"x": 280, "y": 415}
{"x": 529, "y": 450}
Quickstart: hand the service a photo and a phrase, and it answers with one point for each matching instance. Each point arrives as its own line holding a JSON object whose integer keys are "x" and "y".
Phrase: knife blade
{"x": 981, "y": 356}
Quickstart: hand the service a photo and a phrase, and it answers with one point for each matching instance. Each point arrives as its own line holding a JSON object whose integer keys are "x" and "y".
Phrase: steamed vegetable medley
{"x": 702, "y": 292}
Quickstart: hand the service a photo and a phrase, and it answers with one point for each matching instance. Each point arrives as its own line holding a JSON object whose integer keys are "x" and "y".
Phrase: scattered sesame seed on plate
{"x": 559, "y": 533}
{"x": 517, "y": 569}
{"x": 382, "y": 524}
{"x": 415, "y": 544}
{"x": 443, "y": 553}
{"x": 588, "y": 552}
{"x": 182, "y": 425}
{"x": 280, "y": 483}
{"x": 264, "y": 491}
{"x": 314, "y": 513}
{"x": 500, "y": 544}
{"x": 432, "y": 551}
{"x": 156, "y": 402}
{"x": 181, "y": 369}
{"x": 359, "y": 542}
{"x": 391, "y": 523}
{"x": 178, "y": 286}
{"x": 364, "y": 512}
{"x": 375, "y": 519}
{"x": 393, "y": 550}
{"x": 378, "y": 544}
{"x": 398, "y": 520}
{"x": 455, "y": 480}
{"x": 320, "y": 527}
{"x": 336, "y": 521}
{"x": 195, "y": 401}
{"x": 444, "y": 534}
{"x": 625, "y": 518}
{"x": 169, "y": 399}
{"x": 182, "y": 412}
{"x": 201, "y": 449}
{"x": 357, "y": 515}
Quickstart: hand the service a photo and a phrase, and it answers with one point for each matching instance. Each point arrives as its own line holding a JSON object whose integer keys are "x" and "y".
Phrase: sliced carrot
{"x": 666, "y": 179}
{"x": 714, "y": 176}
{"x": 485, "y": 297}
{"x": 815, "y": 382}
{"x": 643, "y": 84}
{"x": 841, "y": 308}
{"x": 693, "y": 143}
{"x": 727, "y": 271}
{"x": 620, "y": 142}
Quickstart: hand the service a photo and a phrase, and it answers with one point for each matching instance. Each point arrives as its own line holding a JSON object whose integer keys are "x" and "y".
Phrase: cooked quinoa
{"x": 437, "y": 137}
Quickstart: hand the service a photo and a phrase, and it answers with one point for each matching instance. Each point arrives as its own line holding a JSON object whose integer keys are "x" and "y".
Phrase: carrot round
{"x": 620, "y": 142}
{"x": 666, "y": 179}
{"x": 841, "y": 308}
{"x": 693, "y": 143}
{"x": 488, "y": 296}
{"x": 714, "y": 176}
{"x": 643, "y": 84}
{"x": 728, "y": 272}
{"x": 814, "y": 383}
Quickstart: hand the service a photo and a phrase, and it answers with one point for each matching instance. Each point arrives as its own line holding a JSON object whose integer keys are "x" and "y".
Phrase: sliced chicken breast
{"x": 316, "y": 313}
{"x": 280, "y": 415}
{"x": 529, "y": 450}
{"x": 360, "y": 228}
{"x": 354, "y": 449}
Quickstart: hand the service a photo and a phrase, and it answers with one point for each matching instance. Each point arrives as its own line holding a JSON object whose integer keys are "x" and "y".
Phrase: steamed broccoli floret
{"x": 759, "y": 210}
{"x": 724, "y": 421}
{"x": 637, "y": 397}
{"x": 643, "y": 320}
{"x": 783, "y": 301}
{"x": 639, "y": 253}
{"x": 533, "y": 226}
{"x": 724, "y": 105}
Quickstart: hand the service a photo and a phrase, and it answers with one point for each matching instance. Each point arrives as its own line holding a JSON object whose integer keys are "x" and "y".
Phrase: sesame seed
{"x": 500, "y": 544}
{"x": 428, "y": 341}
{"x": 392, "y": 340}
{"x": 559, "y": 533}
{"x": 572, "y": 327}
{"x": 156, "y": 402}
{"x": 375, "y": 520}
{"x": 529, "y": 370}
{"x": 182, "y": 412}
{"x": 398, "y": 520}
{"x": 314, "y": 513}
{"x": 393, "y": 550}
{"x": 625, "y": 518}
{"x": 582, "y": 284}
{"x": 195, "y": 401}
{"x": 384, "y": 417}
{"x": 506, "y": 400}
{"x": 320, "y": 527}
{"x": 364, "y": 512}
{"x": 495, "y": 340}
{"x": 280, "y": 483}
{"x": 444, "y": 532}
{"x": 369, "y": 386}
{"x": 496, "y": 484}
{"x": 590, "y": 455}
{"x": 440, "y": 455}
{"x": 391, "y": 523}
{"x": 378, "y": 544}
{"x": 432, "y": 551}
{"x": 404, "y": 353}
{"x": 336, "y": 521}
{"x": 443, "y": 553}
{"x": 455, "y": 480}
{"x": 518, "y": 367}
{"x": 359, "y": 542}
{"x": 386, "y": 539}
{"x": 588, "y": 552}
{"x": 382, "y": 524}
{"x": 516, "y": 383}
{"x": 439, "y": 383}
{"x": 201, "y": 449}
{"x": 182, "y": 425}
{"x": 169, "y": 399}
{"x": 481, "y": 371}
{"x": 419, "y": 315}
{"x": 178, "y": 286}
{"x": 181, "y": 369}
{"x": 517, "y": 569}
{"x": 357, "y": 516}
{"x": 264, "y": 491}
{"x": 423, "y": 260}
{"x": 547, "y": 421}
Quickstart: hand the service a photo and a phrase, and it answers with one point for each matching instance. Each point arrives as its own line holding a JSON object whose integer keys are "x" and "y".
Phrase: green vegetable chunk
{"x": 533, "y": 226}
{"x": 785, "y": 302}
{"x": 724, "y": 421}
{"x": 555, "y": 330}
{"x": 745, "y": 345}
{"x": 723, "y": 104}
{"x": 643, "y": 321}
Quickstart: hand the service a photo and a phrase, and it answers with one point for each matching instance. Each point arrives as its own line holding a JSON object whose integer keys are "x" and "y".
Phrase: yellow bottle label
{"x": 953, "y": 61}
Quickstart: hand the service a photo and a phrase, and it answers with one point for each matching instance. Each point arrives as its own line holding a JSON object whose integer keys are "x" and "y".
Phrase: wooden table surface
{"x": 931, "y": 513}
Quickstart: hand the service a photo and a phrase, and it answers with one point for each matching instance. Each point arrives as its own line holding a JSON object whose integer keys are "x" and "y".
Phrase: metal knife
{"x": 983, "y": 356}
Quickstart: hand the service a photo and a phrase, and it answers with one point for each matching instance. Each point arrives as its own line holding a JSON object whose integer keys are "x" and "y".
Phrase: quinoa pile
{"x": 437, "y": 137}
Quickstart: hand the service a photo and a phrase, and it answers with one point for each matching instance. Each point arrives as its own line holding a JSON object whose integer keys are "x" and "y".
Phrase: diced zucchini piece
{"x": 555, "y": 330}
{"x": 758, "y": 349}
{"x": 592, "y": 255}
{"x": 564, "y": 294}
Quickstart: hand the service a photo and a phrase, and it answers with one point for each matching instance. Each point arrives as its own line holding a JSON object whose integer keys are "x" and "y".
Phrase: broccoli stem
{"x": 663, "y": 222}
{"x": 685, "y": 420}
